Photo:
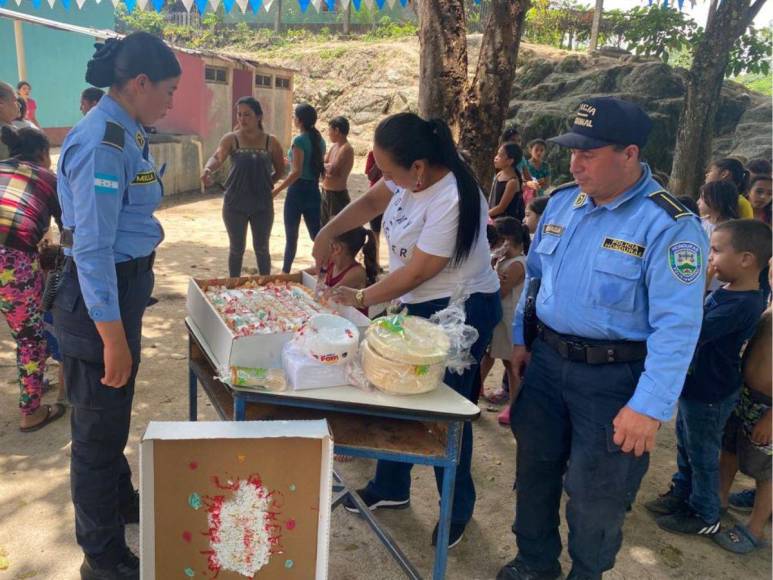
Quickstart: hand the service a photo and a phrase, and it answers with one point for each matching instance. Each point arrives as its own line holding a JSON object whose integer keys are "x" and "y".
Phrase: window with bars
{"x": 216, "y": 74}
{"x": 282, "y": 83}
{"x": 263, "y": 81}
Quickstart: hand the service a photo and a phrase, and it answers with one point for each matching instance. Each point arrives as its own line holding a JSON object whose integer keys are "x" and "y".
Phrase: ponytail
{"x": 307, "y": 115}
{"x": 514, "y": 152}
{"x": 117, "y": 61}
{"x": 408, "y": 138}
{"x": 370, "y": 256}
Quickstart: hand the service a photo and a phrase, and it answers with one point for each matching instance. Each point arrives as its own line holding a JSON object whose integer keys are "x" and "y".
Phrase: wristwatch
{"x": 359, "y": 298}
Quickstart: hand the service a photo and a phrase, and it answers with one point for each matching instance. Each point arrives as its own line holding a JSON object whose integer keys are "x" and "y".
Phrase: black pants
{"x": 333, "y": 202}
{"x": 236, "y": 225}
{"x": 100, "y": 477}
{"x": 303, "y": 200}
{"x": 562, "y": 421}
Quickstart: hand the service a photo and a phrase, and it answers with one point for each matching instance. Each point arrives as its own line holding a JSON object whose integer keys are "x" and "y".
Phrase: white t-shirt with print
{"x": 429, "y": 220}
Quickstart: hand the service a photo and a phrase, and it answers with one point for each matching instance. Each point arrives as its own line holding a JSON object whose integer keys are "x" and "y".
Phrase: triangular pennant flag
{"x": 51, "y": 3}
{"x": 188, "y": 4}
{"x": 317, "y": 4}
{"x": 331, "y": 5}
{"x": 201, "y": 5}
{"x": 403, "y": 3}
{"x": 214, "y": 4}
{"x": 681, "y": 4}
{"x": 130, "y": 5}
{"x": 304, "y": 4}
{"x": 35, "y": 3}
{"x": 242, "y": 4}
{"x": 357, "y": 4}
{"x": 18, "y": 3}
{"x": 344, "y": 5}
{"x": 255, "y": 5}
{"x": 368, "y": 4}
{"x": 142, "y": 4}
{"x": 115, "y": 3}
{"x": 380, "y": 4}
{"x": 158, "y": 5}
{"x": 98, "y": 1}
{"x": 267, "y": 4}
{"x": 228, "y": 5}
{"x": 391, "y": 3}
{"x": 2, "y": 3}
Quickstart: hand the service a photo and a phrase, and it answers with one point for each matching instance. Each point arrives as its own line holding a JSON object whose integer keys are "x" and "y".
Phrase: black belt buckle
{"x": 575, "y": 351}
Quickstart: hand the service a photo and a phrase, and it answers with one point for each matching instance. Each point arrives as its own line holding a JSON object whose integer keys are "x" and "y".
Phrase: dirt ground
{"x": 36, "y": 516}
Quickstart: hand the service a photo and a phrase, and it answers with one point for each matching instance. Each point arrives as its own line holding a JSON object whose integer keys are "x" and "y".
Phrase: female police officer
{"x": 108, "y": 189}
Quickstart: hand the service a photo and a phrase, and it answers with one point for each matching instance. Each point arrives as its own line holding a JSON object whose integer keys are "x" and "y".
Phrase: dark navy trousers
{"x": 100, "y": 476}
{"x": 562, "y": 422}
{"x": 393, "y": 479}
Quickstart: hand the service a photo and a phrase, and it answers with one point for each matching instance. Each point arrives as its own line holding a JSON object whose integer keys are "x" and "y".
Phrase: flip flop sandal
{"x": 738, "y": 540}
{"x": 55, "y": 411}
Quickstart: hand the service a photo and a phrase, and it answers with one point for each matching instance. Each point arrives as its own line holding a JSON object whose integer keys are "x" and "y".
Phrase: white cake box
{"x": 256, "y": 351}
{"x": 194, "y": 479}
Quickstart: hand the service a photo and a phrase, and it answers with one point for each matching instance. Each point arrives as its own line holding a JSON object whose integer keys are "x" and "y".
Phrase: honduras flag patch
{"x": 105, "y": 184}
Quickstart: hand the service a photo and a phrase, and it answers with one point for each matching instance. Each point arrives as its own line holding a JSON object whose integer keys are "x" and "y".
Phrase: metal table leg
{"x": 453, "y": 445}
{"x": 239, "y": 407}
{"x": 193, "y": 383}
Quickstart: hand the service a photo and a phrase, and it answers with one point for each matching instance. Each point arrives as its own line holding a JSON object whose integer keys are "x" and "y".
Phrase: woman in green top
{"x": 307, "y": 156}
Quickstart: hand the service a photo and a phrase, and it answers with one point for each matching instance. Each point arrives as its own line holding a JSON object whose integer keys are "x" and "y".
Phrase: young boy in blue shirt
{"x": 740, "y": 249}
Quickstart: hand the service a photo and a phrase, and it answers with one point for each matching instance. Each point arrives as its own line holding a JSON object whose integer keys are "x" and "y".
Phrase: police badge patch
{"x": 686, "y": 261}
{"x": 139, "y": 137}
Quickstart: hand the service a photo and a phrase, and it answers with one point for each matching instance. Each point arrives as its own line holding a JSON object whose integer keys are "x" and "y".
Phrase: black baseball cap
{"x": 603, "y": 121}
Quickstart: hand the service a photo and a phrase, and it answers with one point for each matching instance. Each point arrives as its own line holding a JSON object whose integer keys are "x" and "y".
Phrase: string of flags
{"x": 203, "y": 5}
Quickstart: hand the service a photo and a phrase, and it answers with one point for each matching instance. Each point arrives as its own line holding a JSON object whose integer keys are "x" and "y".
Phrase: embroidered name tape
{"x": 144, "y": 177}
{"x": 105, "y": 184}
{"x": 553, "y": 229}
{"x": 629, "y": 248}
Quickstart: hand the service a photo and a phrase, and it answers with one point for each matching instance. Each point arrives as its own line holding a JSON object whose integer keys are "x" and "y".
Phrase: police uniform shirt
{"x": 633, "y": 269}
{"x": 108, "y": 189}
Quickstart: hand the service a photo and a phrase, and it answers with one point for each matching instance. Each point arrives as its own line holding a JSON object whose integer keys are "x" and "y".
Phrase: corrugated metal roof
{"x": 102, "y": 34}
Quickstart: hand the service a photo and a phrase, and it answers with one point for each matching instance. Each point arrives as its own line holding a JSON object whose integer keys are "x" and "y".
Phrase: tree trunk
{"x": 725, "y": 24}
{"x": 443, "y": 59}
{"x": 278, "y": 17}
{"x": 594, "y": 32}
{"x": 487, "y": 97}
{"x": 348, "y": 18}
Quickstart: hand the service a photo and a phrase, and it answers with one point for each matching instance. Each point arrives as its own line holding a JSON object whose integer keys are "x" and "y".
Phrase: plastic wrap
{"x": 460, "y": 335}
{"x": 328, "y": 339}
{"x": 269, "y": 379}
{"x": 303, "y": 372}
{"x": 400, "y": 378}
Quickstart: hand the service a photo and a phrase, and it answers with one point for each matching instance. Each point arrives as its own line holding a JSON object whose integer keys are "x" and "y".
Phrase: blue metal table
{"x": 422, "y": 429}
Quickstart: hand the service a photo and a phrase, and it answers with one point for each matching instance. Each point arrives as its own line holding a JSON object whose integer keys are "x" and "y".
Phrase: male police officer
{"x": 622, "y": 269}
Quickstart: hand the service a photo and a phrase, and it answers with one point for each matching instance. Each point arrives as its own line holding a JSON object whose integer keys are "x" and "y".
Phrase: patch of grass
{"x": 332, "y": 53}
{"x": 757, "y": 82}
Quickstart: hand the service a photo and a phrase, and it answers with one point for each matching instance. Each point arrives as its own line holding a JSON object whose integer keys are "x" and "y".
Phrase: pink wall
{"x": 242, "y": 87}
{"x": 192, "y": 101}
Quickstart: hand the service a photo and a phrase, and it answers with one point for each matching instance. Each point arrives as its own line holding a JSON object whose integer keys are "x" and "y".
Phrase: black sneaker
{"x": 688, "y": 522}
{"x": 374, "y": 503}
{"x": 666, "y": 504}
{"x": 130, "y": 511}
{"x": 455, "y": 535}
{"x": 517, "y": 570}
{"x": 127, "y": 569}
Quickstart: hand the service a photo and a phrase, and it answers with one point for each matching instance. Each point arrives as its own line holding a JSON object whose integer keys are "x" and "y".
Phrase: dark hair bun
{"x": 10, "y": 137}
{"x": 100, "y": 71}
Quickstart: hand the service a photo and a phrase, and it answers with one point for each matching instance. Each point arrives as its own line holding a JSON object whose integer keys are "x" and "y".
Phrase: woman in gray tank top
{"x": 257, "y": 162}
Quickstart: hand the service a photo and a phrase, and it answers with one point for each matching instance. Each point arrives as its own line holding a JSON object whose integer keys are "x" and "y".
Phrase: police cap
{"x": 603, "y": 121}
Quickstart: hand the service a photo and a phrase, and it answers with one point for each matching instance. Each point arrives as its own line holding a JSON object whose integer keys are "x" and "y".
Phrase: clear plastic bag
{"x": 462, "y": 336}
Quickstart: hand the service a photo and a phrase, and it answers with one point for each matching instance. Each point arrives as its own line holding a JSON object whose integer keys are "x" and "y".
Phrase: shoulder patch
{"x": 670, "y": 204}
{"x": 114, "y": 135}
{"x": 563, "y": 187}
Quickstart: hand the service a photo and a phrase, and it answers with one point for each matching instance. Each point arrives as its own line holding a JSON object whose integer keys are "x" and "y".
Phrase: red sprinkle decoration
{"x": 187, "y": 537}
{"x": 290, "y": 524}
{"x": 193, "y": 465}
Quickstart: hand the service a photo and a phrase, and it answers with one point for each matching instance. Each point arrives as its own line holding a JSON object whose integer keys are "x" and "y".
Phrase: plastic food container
{"x": 398, "y": 378}
{"x": 330, "y": 339}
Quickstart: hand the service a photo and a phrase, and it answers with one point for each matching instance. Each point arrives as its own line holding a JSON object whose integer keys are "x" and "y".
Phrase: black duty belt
{"x": 130, "y": 268}
{"x": 592, "y": 352}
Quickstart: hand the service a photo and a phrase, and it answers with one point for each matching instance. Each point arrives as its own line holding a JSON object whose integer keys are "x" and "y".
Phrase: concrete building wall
{"x": 183, "y": 157}
{"x": 56, "y": 60}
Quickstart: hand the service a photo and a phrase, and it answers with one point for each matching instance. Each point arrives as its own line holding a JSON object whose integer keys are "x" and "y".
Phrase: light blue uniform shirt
{"x": 627, "y": 270}
{"x": 108, "y": 189}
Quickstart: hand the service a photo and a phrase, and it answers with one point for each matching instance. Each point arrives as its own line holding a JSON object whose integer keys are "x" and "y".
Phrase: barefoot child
{"x": 747, "y": 442}
{"x": 511, "y": 270}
